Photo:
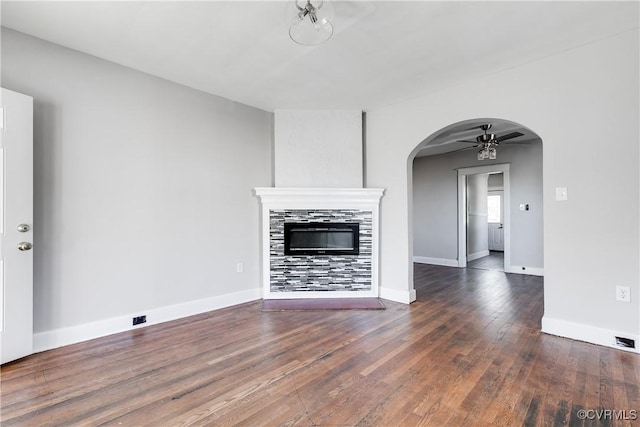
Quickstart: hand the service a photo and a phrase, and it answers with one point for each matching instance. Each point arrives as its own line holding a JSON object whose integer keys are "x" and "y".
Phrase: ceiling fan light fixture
{"x": 487, "y": 152}
{"x": 489, "y": 142}
{"x": 309, "y": 27}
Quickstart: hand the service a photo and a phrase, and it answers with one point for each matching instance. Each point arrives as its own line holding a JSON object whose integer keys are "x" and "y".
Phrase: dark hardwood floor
{"x": 493, "y": 261}
{"x": 468, "y": 352}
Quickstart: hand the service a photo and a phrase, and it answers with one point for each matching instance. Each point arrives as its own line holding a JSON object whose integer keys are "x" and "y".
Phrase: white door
{"x": 495, "y": 204}
{"x": 16, "y": 225}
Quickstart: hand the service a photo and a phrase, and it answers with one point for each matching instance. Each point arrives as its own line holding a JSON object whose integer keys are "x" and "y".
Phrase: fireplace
{"x": 321, "y": 238}
{"x": 319, "y": 243}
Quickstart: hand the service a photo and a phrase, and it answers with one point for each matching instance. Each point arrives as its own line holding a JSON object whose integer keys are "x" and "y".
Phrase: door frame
{"x": 462, "y": 207}
{"x": 500, "y": 193}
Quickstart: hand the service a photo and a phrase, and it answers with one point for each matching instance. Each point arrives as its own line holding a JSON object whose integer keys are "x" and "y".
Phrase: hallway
{"x": 494, "y": 262}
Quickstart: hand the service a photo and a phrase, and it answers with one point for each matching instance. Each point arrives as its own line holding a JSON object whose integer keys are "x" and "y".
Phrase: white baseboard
{"x": 520, "y": 269}
{"x": 404, "y": 297}
{"x": 477, "y": 255}
{"x": 436, "y": 261}
{"x": 64, "y": 336}
{"x": 587, "y": 333}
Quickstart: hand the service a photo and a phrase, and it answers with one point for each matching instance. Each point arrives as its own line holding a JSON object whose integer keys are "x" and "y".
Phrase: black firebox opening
{"x": 321, "y": 238}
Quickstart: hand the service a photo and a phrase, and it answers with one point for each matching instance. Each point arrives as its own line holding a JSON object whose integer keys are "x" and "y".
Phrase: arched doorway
{"x": 441, "y": 166}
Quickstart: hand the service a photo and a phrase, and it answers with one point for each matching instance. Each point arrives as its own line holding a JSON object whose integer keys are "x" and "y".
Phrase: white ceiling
{"x": 381, "y": 52}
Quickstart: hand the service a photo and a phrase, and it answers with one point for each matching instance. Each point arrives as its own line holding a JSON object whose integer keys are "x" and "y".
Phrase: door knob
{"x": 23, "y": 228}
{"x": 25, "y": 246}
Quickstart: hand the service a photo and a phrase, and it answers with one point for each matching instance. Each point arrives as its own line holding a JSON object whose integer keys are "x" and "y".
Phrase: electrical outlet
{"x": 239, "y": 267}
{"x": 623, "y": 293}
{"x": 625, "y": 342}
{"x": 139, "y": 320}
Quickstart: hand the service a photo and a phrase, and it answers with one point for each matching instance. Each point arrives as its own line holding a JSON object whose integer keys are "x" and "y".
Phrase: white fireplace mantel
{"x": 309, "y": 198}
{"x": 280, "y": 198}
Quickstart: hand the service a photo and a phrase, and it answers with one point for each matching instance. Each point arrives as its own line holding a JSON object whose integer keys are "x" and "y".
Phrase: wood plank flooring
{"x": 468, "y": 352}
{"x": 493, "y": 261}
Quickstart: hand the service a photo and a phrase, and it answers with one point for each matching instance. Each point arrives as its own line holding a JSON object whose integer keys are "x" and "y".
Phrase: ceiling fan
{"x": 489, "y": 141}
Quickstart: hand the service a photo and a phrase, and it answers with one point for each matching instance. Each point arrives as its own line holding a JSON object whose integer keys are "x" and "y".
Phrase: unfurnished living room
{"x": 320, "y": 213}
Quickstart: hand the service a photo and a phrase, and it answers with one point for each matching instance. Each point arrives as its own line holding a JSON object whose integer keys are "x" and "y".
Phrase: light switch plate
{"x": 561, "y": 194}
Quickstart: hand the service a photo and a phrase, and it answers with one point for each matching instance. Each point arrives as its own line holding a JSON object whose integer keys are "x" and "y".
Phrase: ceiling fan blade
{"x": 459, "y": 149}
{"x": 446, "y": 152}
{"x": 464, "y": 140}
{"x": 508, "y": 136}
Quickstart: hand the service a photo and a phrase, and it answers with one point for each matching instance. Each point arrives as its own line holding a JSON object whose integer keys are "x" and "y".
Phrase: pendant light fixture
{"x": 310, "y": 27}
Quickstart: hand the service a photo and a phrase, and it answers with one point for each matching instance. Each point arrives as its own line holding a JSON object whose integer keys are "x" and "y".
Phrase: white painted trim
{"x": 477, "y": 255}
{"x": 474, "y": 170}
{"x": 435, "y": 261}
{"x": 60, "y": 337}
{"x": 587, "y": 333}
{"x": 404, "y": 297}
{"x": 462, "y": 220}
{"x": 462, "y": 202}
{"x": 521, "y": 269}
{"x": 318, "y": 198}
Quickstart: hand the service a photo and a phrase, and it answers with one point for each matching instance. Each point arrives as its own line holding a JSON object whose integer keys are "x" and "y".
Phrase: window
{"x": 493, "y": 203}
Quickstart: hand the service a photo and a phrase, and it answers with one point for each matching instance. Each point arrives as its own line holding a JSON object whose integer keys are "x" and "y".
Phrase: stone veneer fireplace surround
{"x": 322, "y": 276}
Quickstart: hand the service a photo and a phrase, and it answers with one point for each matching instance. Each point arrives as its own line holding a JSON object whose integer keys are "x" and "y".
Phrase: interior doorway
{"x": 485, "y": 221}
{"x": 440, "y": 170}
{"x": 478, "y": 226}
{"x": 495, "y": 216}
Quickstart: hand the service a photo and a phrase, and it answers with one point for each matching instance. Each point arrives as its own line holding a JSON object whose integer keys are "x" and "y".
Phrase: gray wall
{"x": 435, "y": 203}
{"x": 142, "y": 187}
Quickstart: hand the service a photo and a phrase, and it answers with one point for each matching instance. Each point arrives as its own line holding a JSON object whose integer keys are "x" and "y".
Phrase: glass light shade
{"x": 492, "y": 153}
{"x": 309, "y": 33}
{"x": 481, "y": 155}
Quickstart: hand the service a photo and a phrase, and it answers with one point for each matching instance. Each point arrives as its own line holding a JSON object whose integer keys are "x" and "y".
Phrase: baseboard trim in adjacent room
{"x": 520, "y": 269}
{"x": 477, "y": 255}
{"x": 48, "y": 340}
{"x": 587, "y": 333}
{"x": 436, "y": 261}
